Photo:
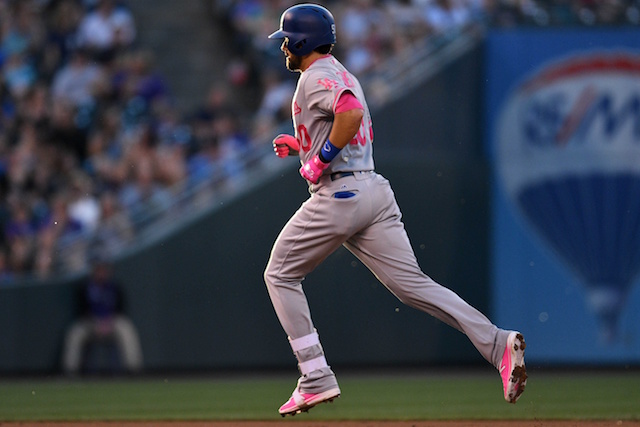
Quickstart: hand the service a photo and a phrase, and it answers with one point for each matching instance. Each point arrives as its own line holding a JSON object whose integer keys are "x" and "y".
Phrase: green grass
{"x": 614, "y": 396}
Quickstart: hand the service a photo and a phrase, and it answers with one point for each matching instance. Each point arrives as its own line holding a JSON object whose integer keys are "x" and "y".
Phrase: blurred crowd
{"x": 90, "y": 139}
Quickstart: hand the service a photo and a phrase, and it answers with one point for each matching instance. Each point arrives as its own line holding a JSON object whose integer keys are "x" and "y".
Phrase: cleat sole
{"x": 312, "y": 404}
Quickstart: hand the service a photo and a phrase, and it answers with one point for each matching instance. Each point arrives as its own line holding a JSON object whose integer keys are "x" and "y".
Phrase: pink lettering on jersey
{"x": 346, "y": 79}
{"x": 303, "y": 138}
{"x": 361, "y": 136}
{"x": 327, "y": 83}
{"x": 296, "y": 108}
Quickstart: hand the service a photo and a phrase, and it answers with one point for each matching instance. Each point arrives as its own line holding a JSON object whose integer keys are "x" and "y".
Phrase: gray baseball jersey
{"x": 358, "y": 211}
{"x": 313, "y": 107}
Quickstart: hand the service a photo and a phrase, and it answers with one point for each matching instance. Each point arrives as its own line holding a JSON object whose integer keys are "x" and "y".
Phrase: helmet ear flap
{"x": 299, "y": 45}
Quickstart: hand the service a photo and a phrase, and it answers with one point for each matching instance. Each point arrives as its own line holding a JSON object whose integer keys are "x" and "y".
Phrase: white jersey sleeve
{"x": 314, "y": 102}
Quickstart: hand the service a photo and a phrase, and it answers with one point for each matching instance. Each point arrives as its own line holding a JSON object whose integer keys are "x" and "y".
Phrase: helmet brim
{"x": 279, "y": 34}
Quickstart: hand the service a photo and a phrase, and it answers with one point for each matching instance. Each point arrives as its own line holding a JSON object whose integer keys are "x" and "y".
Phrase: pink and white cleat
{"x": 302, "y": 402}
{"x": 512, "y": 369}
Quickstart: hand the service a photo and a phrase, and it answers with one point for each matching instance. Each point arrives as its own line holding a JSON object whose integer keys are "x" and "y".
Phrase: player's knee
{"x": 275, "y": 280}
{"x": 267, "y": 277}
{"x": 405, "y": 294}
{"x": 270, "y": 277}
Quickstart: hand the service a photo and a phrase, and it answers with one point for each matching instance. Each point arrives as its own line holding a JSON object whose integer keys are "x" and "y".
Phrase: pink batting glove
{"x": 285, "y": 145}
{"x": 312, "y": 170}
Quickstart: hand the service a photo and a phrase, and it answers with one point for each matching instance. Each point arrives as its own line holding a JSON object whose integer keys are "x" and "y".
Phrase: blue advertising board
{"x": 563, "y": 136}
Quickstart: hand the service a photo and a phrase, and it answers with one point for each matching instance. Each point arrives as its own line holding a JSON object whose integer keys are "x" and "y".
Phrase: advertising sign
{"x": 563, "y": 136}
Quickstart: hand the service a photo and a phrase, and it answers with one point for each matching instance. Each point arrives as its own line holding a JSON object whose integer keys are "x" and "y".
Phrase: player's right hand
{"x": 312, "y": 170}
{"x": 285, "y": 145}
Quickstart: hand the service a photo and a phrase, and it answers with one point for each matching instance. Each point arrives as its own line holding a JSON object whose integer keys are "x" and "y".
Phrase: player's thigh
{"x": 386, "y": 250}
{"x": 305, "y": 241}
{"x": 384, "y": 246}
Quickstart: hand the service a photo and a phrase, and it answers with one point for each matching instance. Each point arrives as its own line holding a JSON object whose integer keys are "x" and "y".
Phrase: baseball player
{"x": 353, "y": 206}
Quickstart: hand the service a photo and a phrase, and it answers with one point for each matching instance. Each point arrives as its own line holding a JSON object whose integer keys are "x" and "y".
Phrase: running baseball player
{"x": 353, "y": 206}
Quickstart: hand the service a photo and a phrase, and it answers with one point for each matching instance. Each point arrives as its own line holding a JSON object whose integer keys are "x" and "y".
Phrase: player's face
{"x": 293, "y": 62}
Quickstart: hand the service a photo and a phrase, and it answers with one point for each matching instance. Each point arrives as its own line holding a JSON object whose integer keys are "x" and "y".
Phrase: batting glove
{"x": 312, "y": 170}
{"x": 285, "y": 145}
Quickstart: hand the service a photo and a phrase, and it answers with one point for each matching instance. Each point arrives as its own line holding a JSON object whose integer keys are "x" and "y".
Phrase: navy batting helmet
{"x": 306, "y": 26}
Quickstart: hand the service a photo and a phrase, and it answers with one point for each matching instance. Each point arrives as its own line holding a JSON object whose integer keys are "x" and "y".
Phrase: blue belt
{"x": 338, "y": 175}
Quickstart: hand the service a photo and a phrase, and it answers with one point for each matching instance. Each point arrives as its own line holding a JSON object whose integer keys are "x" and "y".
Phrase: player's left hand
{"x": 312, "y": 170}
{"x": 285, "y": 145}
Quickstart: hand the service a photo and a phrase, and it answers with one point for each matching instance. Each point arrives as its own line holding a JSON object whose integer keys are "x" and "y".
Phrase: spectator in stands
{"x": 23, "y": 30}
{"x": 205, "y": 164}
{"x": 20, "y": 235}
{"x": 143, "y": 192}
{"x": 173, "y": 145}
{"x": 65, "y": 133}
{"x": 139, "y": 78}
{"x": 84, "y": 206}
{"x": 362, "y": 28}
{"x": 406, "y": 28}
{"x": 102, "y": 317}
{"x": 217, "y": 101}
{"x": 23, "y": 157}
{"x": 233, "y": 143}
{"x": 62, "y": 18}
{"x": 77, "y": 82}
{"x": 18, "y": 73}
{"x": 246, "y": 18}
{"x": 23, "y": 35}
{"x": 443, "y": 16}
{"x": 60, "y": 229}
{"x": 206, "y": 161}
{"x": 35, "y": 106}
{"x": 107, "y": 30}
{"x": 115, "y": 231}
{"x": 8, "y": 107}
{"x": 275, "y": 105}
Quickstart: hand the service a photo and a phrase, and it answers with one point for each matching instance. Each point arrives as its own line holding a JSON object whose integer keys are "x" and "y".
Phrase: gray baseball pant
{"x": 369, "y": 225}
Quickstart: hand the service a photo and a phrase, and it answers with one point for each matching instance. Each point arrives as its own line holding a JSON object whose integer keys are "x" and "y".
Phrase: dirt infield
{"x": 300, "y": 422}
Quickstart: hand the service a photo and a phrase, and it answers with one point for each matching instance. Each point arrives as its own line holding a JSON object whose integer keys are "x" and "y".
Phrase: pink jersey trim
{"x": 347, "y": 102}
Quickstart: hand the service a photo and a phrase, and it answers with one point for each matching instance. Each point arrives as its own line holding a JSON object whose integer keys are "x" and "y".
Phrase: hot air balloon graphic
{"x": 568, "y": 157}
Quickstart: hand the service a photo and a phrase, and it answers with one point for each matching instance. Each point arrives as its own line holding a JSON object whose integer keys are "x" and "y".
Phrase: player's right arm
{"x": 345, "y": 126}
{"x": 346, "y": 122}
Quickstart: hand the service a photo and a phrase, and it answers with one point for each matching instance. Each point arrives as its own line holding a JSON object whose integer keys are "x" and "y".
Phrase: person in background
{"x": 102, "y": 317}
{"x": 107, "y": 30}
